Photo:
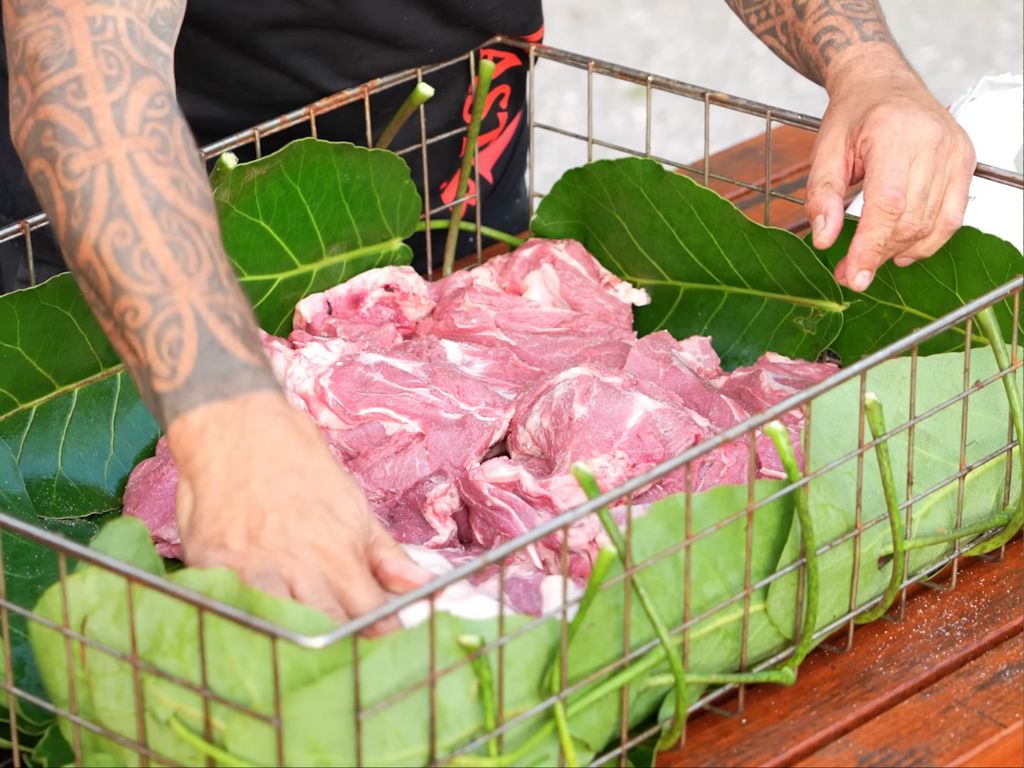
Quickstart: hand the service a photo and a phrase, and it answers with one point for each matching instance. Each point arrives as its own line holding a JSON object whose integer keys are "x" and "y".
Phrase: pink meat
{"x": 617, "y": 425}
{"x": 385, "y": 296}
{"x": 561, "y": 274}
{"x": 151, "y": 495}
{"x": 686, "y": 368}
{"x": 547, "y": 338}
{"x": 769, "y": 381}
{"x": 461, "y": 407}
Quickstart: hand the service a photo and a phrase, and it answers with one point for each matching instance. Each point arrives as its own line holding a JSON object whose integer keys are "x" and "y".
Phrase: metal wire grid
{"x": 134, "y": 737}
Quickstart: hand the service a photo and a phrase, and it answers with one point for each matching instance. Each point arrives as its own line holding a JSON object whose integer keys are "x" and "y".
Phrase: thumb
{"x": 826, "y": 188}
{"x": 394, "y": 569}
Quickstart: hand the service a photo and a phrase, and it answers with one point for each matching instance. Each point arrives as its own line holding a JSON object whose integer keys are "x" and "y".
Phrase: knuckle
{"x": 890, "y": 204}
{"x": 950, "y": 221}
{"x": 931, "y": 131}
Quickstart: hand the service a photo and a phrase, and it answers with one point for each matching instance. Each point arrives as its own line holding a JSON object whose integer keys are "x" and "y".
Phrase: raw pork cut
{"x": 619, "y": 426}
{"x": 390, "y": 296}
{"x": 151, "y": 495}
{"x": 462, "y": 405}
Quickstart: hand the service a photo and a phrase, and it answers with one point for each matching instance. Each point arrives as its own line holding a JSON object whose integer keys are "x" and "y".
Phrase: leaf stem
{"x": 674, "y": 732}
{"x": 779, "y": 435}
{"x": 876, "y": 422}
{"x": 481, "y": 667}
{"x": 419, "y": 96}
{"x": 996, "y": 521}
{"x": 466, "y": 226}
{"x": 986, "y": 319}
{"x": 203, "y": 746}
{"x": 485, "y": 70}
{"x": 226, "y": 163}
{"x": 555, "y": 677}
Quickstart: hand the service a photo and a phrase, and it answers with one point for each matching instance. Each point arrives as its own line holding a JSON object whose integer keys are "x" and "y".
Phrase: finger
{"x": 826, "y": 188}
{"x": 948, "y": 220}
{"x": 317, "y": 593}
{"x": 886, "y": 183}
{"x": 359, "y": 592}
{"x": 267, "y": 580}
{"x": 394, "y": 569}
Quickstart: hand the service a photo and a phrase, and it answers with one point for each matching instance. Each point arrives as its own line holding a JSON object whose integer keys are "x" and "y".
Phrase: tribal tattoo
{"x": 809, "y": 34}
{"x": 96, "y": 123}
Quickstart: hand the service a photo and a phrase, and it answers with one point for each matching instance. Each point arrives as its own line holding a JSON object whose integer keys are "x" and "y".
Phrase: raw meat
{"x": 151, "y": 495}
{"x": 461, "y": 407}
{"x": 561, "y": 274}
{"x": 390, "y": 296}
{"x": 769, "y": 381}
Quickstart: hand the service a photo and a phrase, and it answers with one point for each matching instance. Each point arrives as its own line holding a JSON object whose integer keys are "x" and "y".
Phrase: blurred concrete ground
{"x": 952, "y": 43}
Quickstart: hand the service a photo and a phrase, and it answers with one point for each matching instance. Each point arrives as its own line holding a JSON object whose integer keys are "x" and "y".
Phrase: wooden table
{"x": 943, "y": 686}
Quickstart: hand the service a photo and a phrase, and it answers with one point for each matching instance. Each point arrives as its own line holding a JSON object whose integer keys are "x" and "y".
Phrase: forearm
{"x": 96, "y": 123}
{"x": 818, "y": 37}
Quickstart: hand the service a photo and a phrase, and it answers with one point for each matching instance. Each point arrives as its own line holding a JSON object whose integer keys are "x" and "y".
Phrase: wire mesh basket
{"x": 614, "y": 111}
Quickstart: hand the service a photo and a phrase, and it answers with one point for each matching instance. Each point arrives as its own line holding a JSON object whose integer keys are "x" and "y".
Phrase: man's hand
{"x": 260, "y": 492}
{"x": 882, "y": 126}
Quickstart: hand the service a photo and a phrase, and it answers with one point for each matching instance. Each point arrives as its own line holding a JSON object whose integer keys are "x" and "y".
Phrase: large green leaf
{"x": 709, "y": 269}
{"x": 903, "y": 299}
{"x": 937, "y": 440}
{"x": 69, "y": 414}
{"x": 29, "y": 568}
{"x": 310, "y": 216}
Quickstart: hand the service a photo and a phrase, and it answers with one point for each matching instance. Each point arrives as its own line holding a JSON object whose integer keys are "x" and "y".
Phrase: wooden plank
{"x": 791, "y": 156}
{"x": 944, "y": 722}
{"x": 838, "y": 692}
{"x": 1005, "y": 748}
{"x": 791, "y": 162}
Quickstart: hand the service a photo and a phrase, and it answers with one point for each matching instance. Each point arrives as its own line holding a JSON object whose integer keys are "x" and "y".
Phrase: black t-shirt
{"x": 240, "y": 62}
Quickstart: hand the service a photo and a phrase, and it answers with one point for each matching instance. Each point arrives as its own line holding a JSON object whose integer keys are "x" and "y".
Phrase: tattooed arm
{"x": 96, "y": 123}
{"x": 882, "y": 126}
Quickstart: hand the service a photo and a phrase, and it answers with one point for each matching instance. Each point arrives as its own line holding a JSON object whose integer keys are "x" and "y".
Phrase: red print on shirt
{"x": 491, "y": 145}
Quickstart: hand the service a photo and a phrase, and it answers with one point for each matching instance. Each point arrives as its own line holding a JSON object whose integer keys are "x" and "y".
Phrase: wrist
{"x": 869, "y": 62}
{"x": 201, "y": 436}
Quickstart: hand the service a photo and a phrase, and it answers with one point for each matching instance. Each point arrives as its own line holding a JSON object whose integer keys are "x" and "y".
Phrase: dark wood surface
{"x": 941, "y": 687}
{"x": 941, "y": 724}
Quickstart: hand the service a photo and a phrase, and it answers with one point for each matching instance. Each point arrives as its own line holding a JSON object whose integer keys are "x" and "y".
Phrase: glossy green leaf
{"x": 903, "y": 299}
{"x": 310, "y": 216}
{"x": 937, "y": 444}
{"x": 29, "y": 568}
{"x": 709, "y": 269}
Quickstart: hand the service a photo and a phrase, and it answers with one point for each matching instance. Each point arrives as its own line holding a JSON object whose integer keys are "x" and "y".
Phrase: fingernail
{"x": 818, "y": 225}
{"x": 861, "y": 280}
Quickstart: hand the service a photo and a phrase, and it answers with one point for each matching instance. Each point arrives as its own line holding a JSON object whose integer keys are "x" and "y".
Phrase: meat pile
{"x": 461, "y": 405}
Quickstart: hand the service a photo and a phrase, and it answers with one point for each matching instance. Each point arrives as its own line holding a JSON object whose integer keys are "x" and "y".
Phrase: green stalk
{"x": 674, "y": 732}
{"x": 226, "y": 163}
{"x": 481, "y": 667}
{"x": 420, "y": 95}
{"x": 485, "y": 70}
{"x": 555, "y": 678}
{"x": 467, "y": 226}
{"x": 779, "y": 435}
{"x": 986, "y": 319}
{"x": 876, "y": 422}
{"x": 996, "y": 521}
{"x": 212, "y": 751}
